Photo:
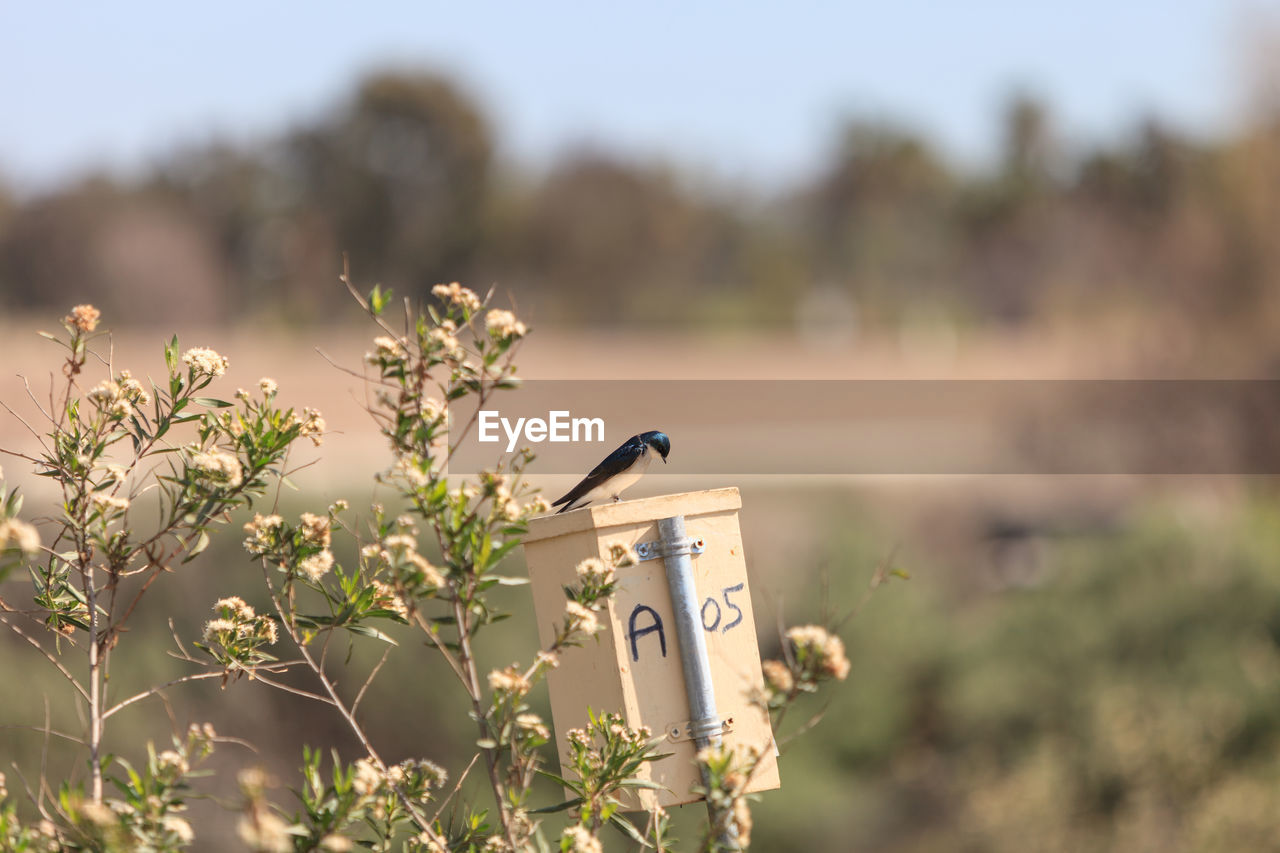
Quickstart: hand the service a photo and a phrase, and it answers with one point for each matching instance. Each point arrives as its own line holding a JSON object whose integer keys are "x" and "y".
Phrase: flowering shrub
{"x": 202, "y": 457}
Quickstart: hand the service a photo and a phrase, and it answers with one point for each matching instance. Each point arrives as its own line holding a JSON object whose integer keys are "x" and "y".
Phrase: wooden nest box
{"x": 634, "y": 666}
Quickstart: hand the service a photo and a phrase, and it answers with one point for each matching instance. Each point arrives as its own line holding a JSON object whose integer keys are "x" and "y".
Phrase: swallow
{"x": 619, "y": 470}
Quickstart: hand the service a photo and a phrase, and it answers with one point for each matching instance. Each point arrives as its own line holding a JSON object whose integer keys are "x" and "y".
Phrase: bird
{"x": 619, "y": 470}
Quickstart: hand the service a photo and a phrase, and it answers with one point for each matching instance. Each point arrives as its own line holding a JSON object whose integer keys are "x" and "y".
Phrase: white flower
{"x": 317, "y": 565}
{"x": 106, "y": 502}
{"x": 179, "y": 827}
{"x": 236, "y": 605}
{"x": 315, "y": 529}
{"x": 105, "y": 393}
{"x": 313, "y": 426}
{"x": 15, "y": 533}
{"x": 400, "y": 541}
{"x": 594, "y": 569}
{"x": 581, "y": 840}
{"x": 268, "y": 385}
{"x": 388, "y": 347}
{"x": 83, "y": 317}
{"x": 265, "y": 831}
{"x": 367, "y": 779}
{"x": 206, "y": 362}
{"x": 172, "y": 760}
{"x": 582, "y": 618}
{"x": 458, "y": 295}
{"x": 214, "y": 627}
{"x": 503, "y": 324}
{"x": 509, "y": 680}
{"x": 218, "y": 468}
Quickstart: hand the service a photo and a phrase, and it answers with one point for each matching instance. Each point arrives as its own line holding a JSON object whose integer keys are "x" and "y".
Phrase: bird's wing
{"x": 615, "y": 463}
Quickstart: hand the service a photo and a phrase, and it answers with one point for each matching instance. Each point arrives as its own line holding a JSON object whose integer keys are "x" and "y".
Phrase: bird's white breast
{"x": 615, "y": 485}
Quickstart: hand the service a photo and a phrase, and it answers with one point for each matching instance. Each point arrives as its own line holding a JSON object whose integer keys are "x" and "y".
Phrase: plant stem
{"x": 472, "y": 683}
{"x": 96, "y": 719}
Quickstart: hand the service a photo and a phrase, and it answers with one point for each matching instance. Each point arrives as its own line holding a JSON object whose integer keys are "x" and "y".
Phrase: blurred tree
{"x": 612, "y": 239}
{"x": 401, "y": 174}
{"x": 129, "y": 251}
{"x": 1029, "y": 151}
{"x": 878, "y": 216}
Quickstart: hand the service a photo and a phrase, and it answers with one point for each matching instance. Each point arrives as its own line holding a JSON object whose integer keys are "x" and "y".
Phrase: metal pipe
{"x": 705, "y": 724}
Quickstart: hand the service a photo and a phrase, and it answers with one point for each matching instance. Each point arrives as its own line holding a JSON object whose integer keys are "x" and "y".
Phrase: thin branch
{"x": 356, "y": 704}
{"x": 297, "y": 691}
{"x": 44, "y": 729}
{"x": 124, "y": 703}
{"x": 36, "y": 800}
{"x": 48, "y": 655}
{"x": 336, "y": 701}
{"x": 804, "y": 727}
{"x": 878, "y": 577}
{"x": 440, "y": 646}
{"x": 457, "y": 787}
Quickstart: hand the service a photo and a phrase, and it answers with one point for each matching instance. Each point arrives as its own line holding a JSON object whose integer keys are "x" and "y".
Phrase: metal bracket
{"x": 655, "y": 550}
{"x": 688, "y": 729}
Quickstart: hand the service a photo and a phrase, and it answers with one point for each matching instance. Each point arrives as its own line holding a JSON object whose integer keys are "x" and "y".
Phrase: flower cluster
{"x": 443, "y": 342}
{"x": 109, "y": 396}
{"x": 216, "y": 469}
{"x": 18, "y": 535}
{"x": 606, "y": 757}
{"x": 509, "y": 681}
{"x": 778, "y": 677}
{"x": 579, "y": 617}
{"x": 417, "y": 779}
{"x": 456, "y": 294}
{"x": 109, "y": 505}
{"x": 260, "y": 827}
{"x": 385, "y": 597}
{"x": 532, "y": 725}
{"x": 819, "y": 654}
{"x": 414, "y": 573}
{"x": 203, "y": 361}
{"x": 148, "y": 815}
{"x": 593, "y": 570}
{"x": 132, "y": 390}
{"x": 579, "y": 839}
{"x": 311, "y": 425}
{"x": 83, "y": 318}
{"x": 237, "y": 636}
{"x": 503, "y": 324}
{"x": 262, "y": 533}
{"x": 728, "y": 773}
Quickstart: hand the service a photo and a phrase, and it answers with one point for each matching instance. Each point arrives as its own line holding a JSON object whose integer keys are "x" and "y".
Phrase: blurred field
{"x": 1078, "y": 663}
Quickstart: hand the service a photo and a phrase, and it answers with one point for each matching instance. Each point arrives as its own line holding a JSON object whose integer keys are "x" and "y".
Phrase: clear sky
{"x": 748, "y": 90}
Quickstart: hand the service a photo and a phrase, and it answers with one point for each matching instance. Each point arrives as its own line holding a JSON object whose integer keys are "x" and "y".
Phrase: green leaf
{"x": 378, "y": 299}
{"x": 212, "y": 402}
{"x": 628, "y": 829}
{"x": 171, "y": 354}
{"x": 558, "y": 807}
{"x": 202, "y": 542}
{"x": 366, "y": 631}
